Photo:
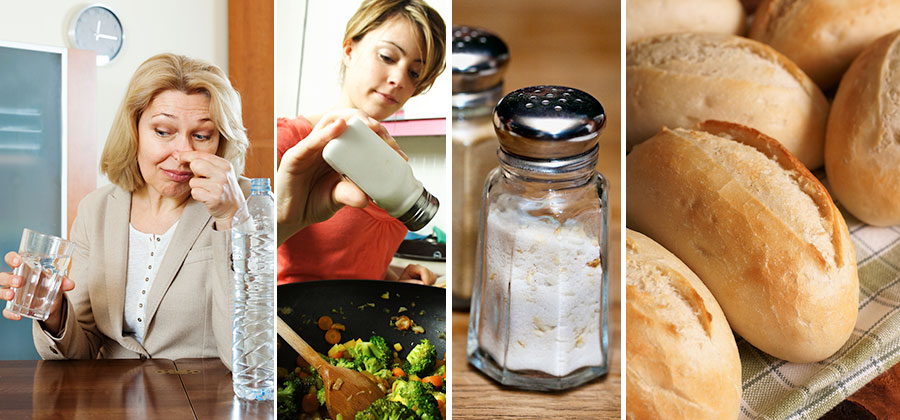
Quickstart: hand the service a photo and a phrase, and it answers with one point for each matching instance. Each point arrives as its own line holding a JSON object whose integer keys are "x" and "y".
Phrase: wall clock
{"x": 97, "y": 28}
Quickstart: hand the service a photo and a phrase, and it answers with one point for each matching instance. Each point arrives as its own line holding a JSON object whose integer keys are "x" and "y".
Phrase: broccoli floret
{"x": 372, "y": 356}
{"x": 344, "y": 363}
{"x": 313, "y": 380}
{"x": 420, "y": 359}
{"x": 426, "y": 407}
{"x": 406, "y": 391}
{"x": 384, "y": 374}
{"x": 289, "y": 395}
{"x": 320, "y": 395}
{"x": 417, "y": 396}
{"x": 385, "y": 409}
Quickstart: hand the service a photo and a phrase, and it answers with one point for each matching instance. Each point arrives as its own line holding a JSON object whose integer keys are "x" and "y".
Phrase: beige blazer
{"x": 189, "y": 310}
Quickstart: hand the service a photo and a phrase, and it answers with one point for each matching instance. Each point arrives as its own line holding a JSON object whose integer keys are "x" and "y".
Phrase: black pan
{"x": 347, "y": 301}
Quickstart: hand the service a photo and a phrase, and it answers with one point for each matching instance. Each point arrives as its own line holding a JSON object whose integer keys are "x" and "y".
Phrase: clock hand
{"x": 103, "y": 36}
{"x": 98, "y": 27}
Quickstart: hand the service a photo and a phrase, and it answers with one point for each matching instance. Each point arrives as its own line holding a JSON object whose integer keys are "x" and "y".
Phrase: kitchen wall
{"x": 196, "y": 28}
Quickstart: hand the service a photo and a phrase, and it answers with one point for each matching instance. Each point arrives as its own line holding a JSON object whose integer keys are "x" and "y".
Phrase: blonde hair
{"x": 372, "y": 13}
{"x": 172, "y": 72}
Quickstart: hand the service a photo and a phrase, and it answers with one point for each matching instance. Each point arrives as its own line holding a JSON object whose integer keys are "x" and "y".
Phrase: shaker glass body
{"x": 539, "y": 311}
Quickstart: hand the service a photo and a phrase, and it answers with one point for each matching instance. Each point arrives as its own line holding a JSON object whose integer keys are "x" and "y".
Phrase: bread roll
{"x": 645, "y": 18}
{"x": 862, "y": 143}
{"x": 757, "y": 227}
{"x": 681, "y": 358}
{"x": 823, "y": 36}
{"x": 680, "y": 80}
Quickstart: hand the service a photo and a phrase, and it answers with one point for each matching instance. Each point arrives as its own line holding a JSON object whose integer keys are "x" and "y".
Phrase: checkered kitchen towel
{"x": 775, "y": 389}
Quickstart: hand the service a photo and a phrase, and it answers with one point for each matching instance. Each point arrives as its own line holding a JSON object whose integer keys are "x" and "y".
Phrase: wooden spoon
{"x": 346, "y": 391}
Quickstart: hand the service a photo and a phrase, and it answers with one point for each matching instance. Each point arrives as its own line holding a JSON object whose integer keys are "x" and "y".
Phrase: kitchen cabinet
{"x": 48, "y": 145}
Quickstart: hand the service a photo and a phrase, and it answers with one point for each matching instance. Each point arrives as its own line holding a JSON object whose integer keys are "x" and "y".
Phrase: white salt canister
{"x": 539, "y": 307}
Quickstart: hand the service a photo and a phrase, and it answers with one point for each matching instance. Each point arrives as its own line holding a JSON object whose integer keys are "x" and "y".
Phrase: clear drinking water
{"x": 45, "y": 260}
{"x": 40, "y": 285}
{"x": 253, "y": 251}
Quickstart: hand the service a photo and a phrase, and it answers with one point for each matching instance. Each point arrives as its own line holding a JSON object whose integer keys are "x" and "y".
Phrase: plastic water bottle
{"x": 253, "y": 250}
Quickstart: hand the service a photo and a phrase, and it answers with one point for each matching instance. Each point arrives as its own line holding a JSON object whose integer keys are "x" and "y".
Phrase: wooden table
{"x": 120, "y": 388}
{"x": 576, "y": 44}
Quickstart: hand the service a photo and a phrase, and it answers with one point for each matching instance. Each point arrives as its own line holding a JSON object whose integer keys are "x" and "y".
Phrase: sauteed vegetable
{"x": 415, "y": 387}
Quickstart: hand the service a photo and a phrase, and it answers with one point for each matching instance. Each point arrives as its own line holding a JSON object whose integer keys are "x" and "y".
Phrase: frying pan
{"x": 348, "y": 302}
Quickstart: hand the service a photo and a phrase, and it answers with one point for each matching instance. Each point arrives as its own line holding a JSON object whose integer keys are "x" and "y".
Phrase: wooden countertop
{"x": 122, "y": 388}
{"x": 576, "y": 44}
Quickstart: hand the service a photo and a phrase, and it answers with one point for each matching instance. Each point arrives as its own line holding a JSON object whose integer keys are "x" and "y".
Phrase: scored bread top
{"x": 775, "y": 186}
{"x": 674, "y": 298}
{"x": 717, "y": 55}
{"x": 890, "y": 94}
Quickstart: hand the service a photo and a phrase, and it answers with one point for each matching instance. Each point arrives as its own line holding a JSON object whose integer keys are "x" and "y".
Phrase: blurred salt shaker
{"x": 479, "y": 62}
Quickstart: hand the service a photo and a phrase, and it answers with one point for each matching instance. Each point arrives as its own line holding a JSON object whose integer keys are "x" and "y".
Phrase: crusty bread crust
{"x": 862, "y": 146}
{"x": 681, "y": 358}
{"x": 646, "y": 18}
{"x": 823, "y": 36}
{"x": 785, "y": 292}
{"x": 679, "y": 80}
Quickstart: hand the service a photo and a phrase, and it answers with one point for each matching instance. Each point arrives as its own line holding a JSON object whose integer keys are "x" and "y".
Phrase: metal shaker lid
{"x": 548, "y": 122}
{"x": 479, "y": 59}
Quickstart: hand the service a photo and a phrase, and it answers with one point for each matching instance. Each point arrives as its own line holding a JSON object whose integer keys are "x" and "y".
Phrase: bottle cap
{"x": 548, "y": 122}
{"x": 421, "y": 212}
{"x": 479, "y": 60}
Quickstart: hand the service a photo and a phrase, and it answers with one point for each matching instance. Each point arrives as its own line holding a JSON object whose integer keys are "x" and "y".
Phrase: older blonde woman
{"x": 151, "y": 275}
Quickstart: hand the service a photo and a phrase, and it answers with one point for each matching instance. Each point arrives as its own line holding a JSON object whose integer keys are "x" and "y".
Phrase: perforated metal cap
{"x": 548, "y": 122}
{"x": 479, "y": 59}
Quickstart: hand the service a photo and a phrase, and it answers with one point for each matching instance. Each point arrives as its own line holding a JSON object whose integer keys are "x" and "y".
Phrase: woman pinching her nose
{"x": 151, "y": 274}
{"x": 327, "y": 227}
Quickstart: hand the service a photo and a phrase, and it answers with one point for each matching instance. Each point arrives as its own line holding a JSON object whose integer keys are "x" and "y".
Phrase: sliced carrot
{"x": 310, "y": 403}
{"x": 339, "y": 326}
{"x": 435, "y": 380}
{"x": 325, "y": 323}
{"x": 403, "y": 323}
{"x": 332, "y": 336}
{"x": 398, "y": 372}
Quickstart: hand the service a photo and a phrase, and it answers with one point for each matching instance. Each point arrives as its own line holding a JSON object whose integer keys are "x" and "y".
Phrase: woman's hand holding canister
{"x": 310, "y": 191}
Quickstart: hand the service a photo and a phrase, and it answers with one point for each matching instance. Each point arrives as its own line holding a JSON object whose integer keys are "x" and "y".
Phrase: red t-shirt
{"x": 352, "y": 244}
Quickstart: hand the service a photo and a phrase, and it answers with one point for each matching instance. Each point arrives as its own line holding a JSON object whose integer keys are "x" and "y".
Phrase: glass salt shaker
{"x": 539, "y": 308}
{"x": 479, "y": 62}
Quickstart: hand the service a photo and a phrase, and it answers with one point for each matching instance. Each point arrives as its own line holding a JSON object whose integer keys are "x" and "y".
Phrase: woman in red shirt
{"x": 327, "y": 227}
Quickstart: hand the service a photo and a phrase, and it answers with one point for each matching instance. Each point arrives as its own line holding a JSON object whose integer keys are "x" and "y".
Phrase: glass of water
{"x": 45, "y": 260}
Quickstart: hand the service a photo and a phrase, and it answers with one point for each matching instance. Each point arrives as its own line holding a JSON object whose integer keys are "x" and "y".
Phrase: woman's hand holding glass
{"x": 8, "y": 281}
{"x": 309, "y": 190}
